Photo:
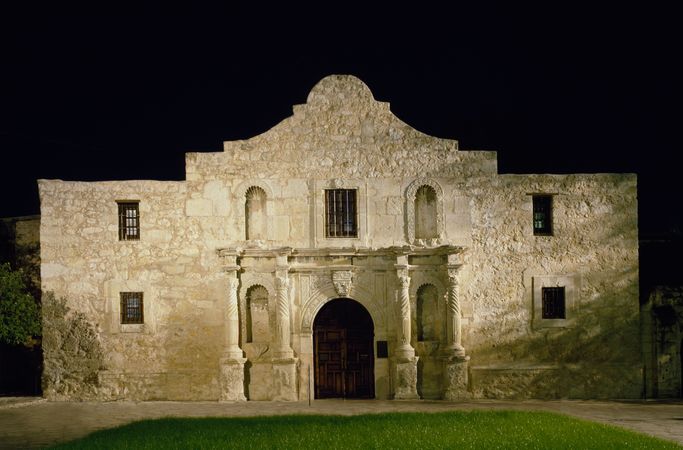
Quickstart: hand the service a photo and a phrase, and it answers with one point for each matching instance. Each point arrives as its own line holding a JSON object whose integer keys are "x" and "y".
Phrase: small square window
{"x": 553, "y": 306}
{"x": 543, "y": 215}
{"x": 340, "y": 213}
{"x": 129, "y": 221}
{"x": 132, "y": 308}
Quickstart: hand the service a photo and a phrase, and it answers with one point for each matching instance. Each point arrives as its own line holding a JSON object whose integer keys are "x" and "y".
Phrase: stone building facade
{"x": 342, "y": 254}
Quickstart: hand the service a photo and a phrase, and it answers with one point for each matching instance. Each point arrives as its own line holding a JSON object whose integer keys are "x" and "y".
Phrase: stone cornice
{"x": 406, "y": 250}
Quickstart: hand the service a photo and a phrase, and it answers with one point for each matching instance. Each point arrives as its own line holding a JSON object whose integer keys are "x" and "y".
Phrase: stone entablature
{"x": 460, "y": 308}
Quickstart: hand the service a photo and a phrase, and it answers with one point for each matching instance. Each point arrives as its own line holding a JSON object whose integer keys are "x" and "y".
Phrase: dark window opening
{"x": 340, "y": 213}
{"x": 543, "y": 215}
{"x": 553, "y": 303}
{"x": 129, "y": 221}
{"x": 382, "y": 349}
{"x": 132, "y": 310}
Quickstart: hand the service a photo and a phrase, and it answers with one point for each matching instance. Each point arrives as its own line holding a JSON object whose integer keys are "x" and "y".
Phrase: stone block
{"x": 285, "y": 380}
{"x": 405, "y": 379}
{"x": 199, "y": 207}
{"x": 232, "y": 380}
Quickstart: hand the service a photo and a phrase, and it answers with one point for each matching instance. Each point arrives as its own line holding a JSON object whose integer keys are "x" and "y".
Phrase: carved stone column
{"x": 232, "y": 358}
{"x": 405, "y": 361}
{"x": 282, "y": 337}
{"x": 404, "y": 350}
{"x": 284, "y": 363}
{"x": 455, "y": 361}
{"x": 453, "y": 316}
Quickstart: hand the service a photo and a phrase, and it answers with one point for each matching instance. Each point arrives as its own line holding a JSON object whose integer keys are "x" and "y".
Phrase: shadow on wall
{"x": 72, "y": 353}
{"x": 598, "y": 355}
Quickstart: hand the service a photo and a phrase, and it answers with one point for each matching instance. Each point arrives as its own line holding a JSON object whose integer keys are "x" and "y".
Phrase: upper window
{"x": 553, "y": 303}
{"x": 129, "y": 221}
{"x": 543, "y": 215}
{"x": 132, "y": 309}
{"x": 340, "y": 213}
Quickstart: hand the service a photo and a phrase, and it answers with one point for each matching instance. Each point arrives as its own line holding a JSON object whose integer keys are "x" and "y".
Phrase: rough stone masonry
{"x": 448, "y": 279}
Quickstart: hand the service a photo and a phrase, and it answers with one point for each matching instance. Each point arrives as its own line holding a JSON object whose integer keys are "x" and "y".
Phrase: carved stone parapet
{"x": 285, "y": 385}
{"x": 405, "y": 378}
{"x": 455, "y": 375}
{"x": 232, "y": 379}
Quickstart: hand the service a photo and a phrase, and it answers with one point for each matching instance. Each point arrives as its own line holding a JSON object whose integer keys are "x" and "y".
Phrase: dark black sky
{"x": 553, "y": 89}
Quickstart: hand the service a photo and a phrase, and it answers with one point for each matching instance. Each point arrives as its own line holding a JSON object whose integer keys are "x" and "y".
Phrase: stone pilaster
{"x": 455, "y": 362}
{"x": 283, "y": 348}
{"x": 284, "y": 362}
{"x": 405, "y": 361}
{"x": 453, "y": 317}
{"x": 232, "y": 358}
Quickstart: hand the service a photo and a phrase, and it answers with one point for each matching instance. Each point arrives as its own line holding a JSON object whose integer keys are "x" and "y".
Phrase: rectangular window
{"x": 132, "y": 308}
{"x": 543, "y": 215}
{"x": 129, "y": 221}
{"x": 553, "y": 303}
{"x": 340, "y": 213}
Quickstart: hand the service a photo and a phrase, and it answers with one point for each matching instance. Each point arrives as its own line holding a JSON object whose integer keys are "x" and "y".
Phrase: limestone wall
{"x": 343, "y": 138}
{"x": 175, "y": 354}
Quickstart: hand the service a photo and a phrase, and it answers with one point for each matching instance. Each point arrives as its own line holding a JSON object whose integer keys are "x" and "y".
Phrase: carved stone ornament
{"x": 343, "y": 281}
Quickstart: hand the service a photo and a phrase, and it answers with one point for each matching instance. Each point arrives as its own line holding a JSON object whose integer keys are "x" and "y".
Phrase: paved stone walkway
{"x": 35, "y": 423}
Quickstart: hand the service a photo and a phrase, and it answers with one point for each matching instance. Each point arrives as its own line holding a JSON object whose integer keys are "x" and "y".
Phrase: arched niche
{"x": 257, "y": 323}
{"x": 424, "y": 212}
{"x": 427, "y": 313}
{"x": 255, "y": 214}
{"x": 254, "y": 202}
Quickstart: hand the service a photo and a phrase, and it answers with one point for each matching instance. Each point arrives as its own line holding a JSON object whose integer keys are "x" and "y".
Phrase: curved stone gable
{"x": 341, "y": 131}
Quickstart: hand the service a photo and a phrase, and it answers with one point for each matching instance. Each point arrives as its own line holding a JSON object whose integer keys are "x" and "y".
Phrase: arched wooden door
{"x": 343, "y": 347}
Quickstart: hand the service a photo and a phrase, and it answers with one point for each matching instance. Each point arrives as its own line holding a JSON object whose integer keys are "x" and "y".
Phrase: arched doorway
{"x": 342, "y": 345}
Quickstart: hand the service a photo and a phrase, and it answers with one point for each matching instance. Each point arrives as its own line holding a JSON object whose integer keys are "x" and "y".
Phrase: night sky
{"x": 558, "y": 90}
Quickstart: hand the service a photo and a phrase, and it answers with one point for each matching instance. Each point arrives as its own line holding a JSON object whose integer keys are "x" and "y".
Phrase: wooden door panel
{"x": 343, "y": 346}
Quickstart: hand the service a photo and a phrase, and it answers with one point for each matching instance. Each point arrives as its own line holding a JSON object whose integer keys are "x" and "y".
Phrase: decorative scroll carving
{"x": 411, "y": 193}
{"x": 343, "y": 282}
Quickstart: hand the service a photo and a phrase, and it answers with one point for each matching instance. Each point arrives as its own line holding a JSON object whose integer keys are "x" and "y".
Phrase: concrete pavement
{"x": 35, "y": 423}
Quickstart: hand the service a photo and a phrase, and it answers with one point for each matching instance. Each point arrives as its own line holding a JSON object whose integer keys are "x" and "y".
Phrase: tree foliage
{"x": 19, "y": 313}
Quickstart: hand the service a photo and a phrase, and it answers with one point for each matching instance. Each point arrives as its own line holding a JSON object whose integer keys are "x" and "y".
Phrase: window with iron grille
{"x": 543, "y": 215}
{"x": 340, "y": 213}
{"x": 129, "y": 221}
{"x": 132, "y": 308}
{"x": 553, "y": 303}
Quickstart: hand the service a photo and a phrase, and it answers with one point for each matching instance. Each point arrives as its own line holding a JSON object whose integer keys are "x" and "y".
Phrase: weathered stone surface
{"x": 405, "y": 379}
{"x": 455, "y": 379}
{"x": 343, "y": 139}
{"x": 72, "y": 354}
{"x": 232, "y": 380}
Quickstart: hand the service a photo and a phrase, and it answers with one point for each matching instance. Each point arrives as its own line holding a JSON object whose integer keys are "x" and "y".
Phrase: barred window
{"x": 340, "y": 213}
{"x": 543, "y": 215}
{"x": 132, "y": 308}
{"x": 553, "y": 303}
{"x": 129, "y": 221}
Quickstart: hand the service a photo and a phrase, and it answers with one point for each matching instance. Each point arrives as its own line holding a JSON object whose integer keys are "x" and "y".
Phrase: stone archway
{"x": 343, "y": 354}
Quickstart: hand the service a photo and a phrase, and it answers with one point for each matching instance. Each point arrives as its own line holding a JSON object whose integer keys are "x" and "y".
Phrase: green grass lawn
{"x": 456, "y": 430}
